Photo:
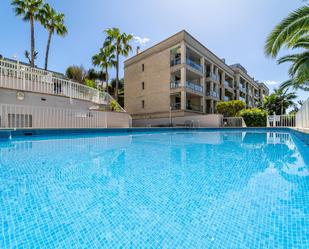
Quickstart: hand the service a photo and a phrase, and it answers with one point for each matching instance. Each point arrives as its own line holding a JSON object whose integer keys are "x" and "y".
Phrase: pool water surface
{"x": 191, "y": 189}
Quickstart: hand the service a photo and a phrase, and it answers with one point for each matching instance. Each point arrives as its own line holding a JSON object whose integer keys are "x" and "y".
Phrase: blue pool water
{"x": 215, "y": 189}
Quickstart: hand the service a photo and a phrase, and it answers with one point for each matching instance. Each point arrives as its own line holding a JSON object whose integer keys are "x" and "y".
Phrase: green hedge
{"x": 230, "y": 108}
{"x": 254, "y": 117}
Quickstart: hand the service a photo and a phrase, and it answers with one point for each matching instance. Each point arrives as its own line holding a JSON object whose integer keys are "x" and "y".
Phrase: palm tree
{"x": 52, "y": 22}
{"x": 279, "y": 101}
{"x": 293, "y": 33}
{"x": 120, "y": 44}
{"x": 105, "y": 59}
{"x": 29, "y": 10}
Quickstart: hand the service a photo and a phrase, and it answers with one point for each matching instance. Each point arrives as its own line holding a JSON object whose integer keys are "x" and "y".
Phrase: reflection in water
{"x": 197, "y": 189}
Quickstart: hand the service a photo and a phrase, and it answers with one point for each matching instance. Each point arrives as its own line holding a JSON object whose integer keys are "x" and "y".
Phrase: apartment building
{"x": 181, "y": 76}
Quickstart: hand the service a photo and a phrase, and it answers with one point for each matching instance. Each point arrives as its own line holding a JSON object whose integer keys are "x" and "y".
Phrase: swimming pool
{"x": 155, "y": 189}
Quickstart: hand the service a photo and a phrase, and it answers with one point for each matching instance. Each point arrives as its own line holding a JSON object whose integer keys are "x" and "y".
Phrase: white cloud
{"x": 271, "y": 82}
{"x": 141, "y": 41}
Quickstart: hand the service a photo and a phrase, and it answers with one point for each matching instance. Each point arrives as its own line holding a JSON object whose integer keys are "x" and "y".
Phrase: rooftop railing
{"x": 25, "y": 78}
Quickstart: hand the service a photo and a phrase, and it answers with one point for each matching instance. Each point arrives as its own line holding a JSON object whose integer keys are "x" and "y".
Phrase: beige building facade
{"x": 181, "y": 76}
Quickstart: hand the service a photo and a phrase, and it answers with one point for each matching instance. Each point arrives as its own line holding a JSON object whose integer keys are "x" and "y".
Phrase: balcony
{"x": 197, "y": 108}
{"x": 212, "y": 94}
{"x": 242, "y": 88}
{"x": 175, "y": 84}
{"x": 175, "y": 61}
{"x": 228, "y": 84}
{"x": 194, "y": 87}
{"x": 242, "y": 99}
{"x": 195, "y": 65}
{"x": 227, "y": 98}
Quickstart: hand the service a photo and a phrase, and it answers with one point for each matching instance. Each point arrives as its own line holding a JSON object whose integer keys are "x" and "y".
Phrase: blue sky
{"x": 234, "y": 30}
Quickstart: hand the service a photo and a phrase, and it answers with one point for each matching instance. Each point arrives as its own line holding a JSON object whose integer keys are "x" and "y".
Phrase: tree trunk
{"x": 32, "y": 42}
{"x": 117, "y": 76}
{"x": 47, "y": 49}
{"x": 106, "y": 78}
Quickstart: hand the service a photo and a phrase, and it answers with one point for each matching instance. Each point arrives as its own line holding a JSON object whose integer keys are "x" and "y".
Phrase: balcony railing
{"x": 175, "y": 84}
{"x": 21, "y": 77}
{"x": 226, "y": 98}
{"x": 213, "y": 94}
{"x": 198, "y": 108}
{"x": 175, "y": 61}
{"x": 242, "y": 99}
{"x": 243, "y": 89}
{"x": 228, "y": 84}
{"x": 194, "y": 65}
{"x": 194, "y": 87}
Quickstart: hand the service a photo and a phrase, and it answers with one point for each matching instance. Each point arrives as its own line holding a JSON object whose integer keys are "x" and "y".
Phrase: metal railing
{"x": 233, "y": 122}
{"x": 21, "y": 116}
{"x": 227, "y": 84}
{"x": 302, "y": 116}
{"x": 25, "y": 78}
{"x": 194, "y": 87}
{"x": 281, "y": 121}
{"x": 175, "y": 84}
{"x": 175, "y": 61}
{"x": 194, "y": 65}
{"x": 212, "y": 94}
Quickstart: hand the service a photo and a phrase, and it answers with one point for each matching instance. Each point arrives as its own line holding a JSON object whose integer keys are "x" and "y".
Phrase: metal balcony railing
{"x": 212, "y": 94}
{"x": 25, "y": 78}
{"x": 194, "y": 87}
{"x": 194, "y": 64}
{"x": 175, "y": 84}
{"x": 175, "y": 61}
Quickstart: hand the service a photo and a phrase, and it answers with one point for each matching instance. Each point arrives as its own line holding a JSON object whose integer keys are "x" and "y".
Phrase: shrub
{"x": 230, "y": 108}
{"x": 254, "y": 117}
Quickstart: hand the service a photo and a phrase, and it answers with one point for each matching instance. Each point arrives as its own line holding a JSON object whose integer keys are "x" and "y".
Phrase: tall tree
{"x": 293, "y": 33}
{"x": 120, "y": 44}
{"x": 29, "y": 10}
{"x": 279, "y": 101}
{"x": 105, "y": 59}
{"x": 53, "y": 22}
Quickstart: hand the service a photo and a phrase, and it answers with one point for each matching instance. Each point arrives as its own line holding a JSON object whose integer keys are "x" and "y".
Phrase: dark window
{"x": 143, "y": 103}
{"x": 143, "y": 67}
{"x": 143, "y": 85}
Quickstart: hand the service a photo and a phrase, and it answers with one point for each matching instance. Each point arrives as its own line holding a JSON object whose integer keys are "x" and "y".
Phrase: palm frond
{"x": 292, "y": 26}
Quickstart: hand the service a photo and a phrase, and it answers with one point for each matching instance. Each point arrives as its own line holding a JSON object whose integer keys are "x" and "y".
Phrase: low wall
{"x": 209, "y": 120}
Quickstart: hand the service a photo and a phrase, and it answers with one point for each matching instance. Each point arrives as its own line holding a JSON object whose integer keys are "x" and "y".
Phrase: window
{"x": 143, "y": 67}
{"x": 143, "y": 104}
{"x": 143, "y": 85}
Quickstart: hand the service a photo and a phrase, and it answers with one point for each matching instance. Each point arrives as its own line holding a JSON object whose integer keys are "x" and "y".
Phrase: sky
{"x": 235, "y": 30}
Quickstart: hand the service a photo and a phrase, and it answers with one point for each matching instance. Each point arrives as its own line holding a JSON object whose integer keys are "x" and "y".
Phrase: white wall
{"x": 210, "y": 120}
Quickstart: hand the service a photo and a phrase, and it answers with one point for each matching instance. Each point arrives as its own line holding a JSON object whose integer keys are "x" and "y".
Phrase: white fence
{"x": 20, "y": 77}
{"x": 302, "y": 116}
{"x": 281, "y": 121}
{"x": 20, "y": 116}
